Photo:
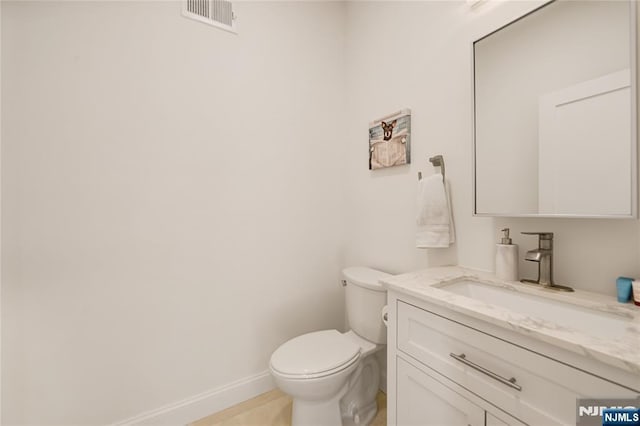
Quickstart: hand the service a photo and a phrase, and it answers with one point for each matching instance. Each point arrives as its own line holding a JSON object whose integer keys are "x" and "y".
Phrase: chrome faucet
{"x": 543, "y": 256}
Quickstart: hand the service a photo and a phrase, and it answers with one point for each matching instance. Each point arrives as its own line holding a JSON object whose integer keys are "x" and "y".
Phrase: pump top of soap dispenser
{"x": 505, "y": 236}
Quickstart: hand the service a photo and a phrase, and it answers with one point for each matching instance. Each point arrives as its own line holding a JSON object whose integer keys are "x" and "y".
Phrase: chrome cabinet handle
{"x": 509, "y": 382}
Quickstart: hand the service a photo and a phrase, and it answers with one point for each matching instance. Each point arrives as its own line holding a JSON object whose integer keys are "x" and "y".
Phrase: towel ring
{"x": 437, "y": 161}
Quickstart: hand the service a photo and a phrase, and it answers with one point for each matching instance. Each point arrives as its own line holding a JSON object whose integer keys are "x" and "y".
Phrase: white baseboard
{"x": 198, "y": 406}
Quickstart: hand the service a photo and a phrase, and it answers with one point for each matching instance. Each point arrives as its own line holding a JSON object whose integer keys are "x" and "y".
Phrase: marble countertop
{"x": 621, "y": 349}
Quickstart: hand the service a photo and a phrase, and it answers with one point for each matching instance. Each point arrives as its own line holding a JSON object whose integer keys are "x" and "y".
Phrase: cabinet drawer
{"x": 548, "y": 389}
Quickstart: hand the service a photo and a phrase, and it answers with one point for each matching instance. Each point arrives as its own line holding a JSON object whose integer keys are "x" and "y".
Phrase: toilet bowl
{"x": 334, "y": 377}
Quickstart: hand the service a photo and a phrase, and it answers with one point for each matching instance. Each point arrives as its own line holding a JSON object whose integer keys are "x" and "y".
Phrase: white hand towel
{"x": 434, "y": 220}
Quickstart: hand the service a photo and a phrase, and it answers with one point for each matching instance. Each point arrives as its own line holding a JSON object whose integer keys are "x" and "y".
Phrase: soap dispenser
{"x": 506, "y": 258}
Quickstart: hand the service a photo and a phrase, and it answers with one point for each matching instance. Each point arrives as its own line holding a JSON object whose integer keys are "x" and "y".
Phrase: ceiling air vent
{"x": 218, "y": 13}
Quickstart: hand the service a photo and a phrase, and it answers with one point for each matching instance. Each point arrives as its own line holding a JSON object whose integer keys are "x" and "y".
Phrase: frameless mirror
{"x": 555, "y": 113}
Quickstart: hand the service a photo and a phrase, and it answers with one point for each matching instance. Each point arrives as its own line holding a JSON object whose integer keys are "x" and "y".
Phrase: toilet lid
{"x": 314, "y": 353}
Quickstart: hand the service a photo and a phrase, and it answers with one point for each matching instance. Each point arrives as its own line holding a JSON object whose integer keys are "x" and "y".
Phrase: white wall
{"x": 418, "y": 55}
{"x": 169, "y": 196}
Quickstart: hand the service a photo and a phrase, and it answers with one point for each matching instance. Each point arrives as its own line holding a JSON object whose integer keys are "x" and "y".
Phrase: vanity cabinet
{"x": 449, "y": 368}
{"x": 422, "y": 400}
{"x": 425, "y": 401}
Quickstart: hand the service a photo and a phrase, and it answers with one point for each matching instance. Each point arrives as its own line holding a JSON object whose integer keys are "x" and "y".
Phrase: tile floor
{"x": 272, "y": 409}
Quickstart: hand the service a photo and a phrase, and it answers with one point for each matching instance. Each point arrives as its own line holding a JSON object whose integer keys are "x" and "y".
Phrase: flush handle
{"x": 509, "y": 382}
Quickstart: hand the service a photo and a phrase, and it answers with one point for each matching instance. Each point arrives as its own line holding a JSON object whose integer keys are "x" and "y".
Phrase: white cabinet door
{"x": 424, "y": 401}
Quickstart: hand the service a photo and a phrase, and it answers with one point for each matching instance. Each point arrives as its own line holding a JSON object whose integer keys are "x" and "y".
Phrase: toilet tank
{"x": 364, "y": 300}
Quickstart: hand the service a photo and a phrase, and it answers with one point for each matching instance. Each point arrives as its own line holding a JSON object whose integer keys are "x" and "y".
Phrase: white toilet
{"x": 334, "y": 377}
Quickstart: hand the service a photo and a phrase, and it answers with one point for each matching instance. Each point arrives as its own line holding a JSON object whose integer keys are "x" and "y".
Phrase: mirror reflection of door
{"x": 584, "y": 134}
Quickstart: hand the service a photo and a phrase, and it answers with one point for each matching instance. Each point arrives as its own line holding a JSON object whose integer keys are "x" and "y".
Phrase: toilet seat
{"x": 315, "y": 355}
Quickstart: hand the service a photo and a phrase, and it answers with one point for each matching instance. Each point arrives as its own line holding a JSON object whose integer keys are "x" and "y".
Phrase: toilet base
{"x": 359, "y": 405}
{"x": 314, "y": 413}
{"x": 354, "y": 404}
{"x": 365, "y": 416}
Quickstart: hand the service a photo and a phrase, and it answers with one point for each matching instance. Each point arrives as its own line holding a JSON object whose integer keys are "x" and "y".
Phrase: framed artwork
{"x": 390, "y": 140}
